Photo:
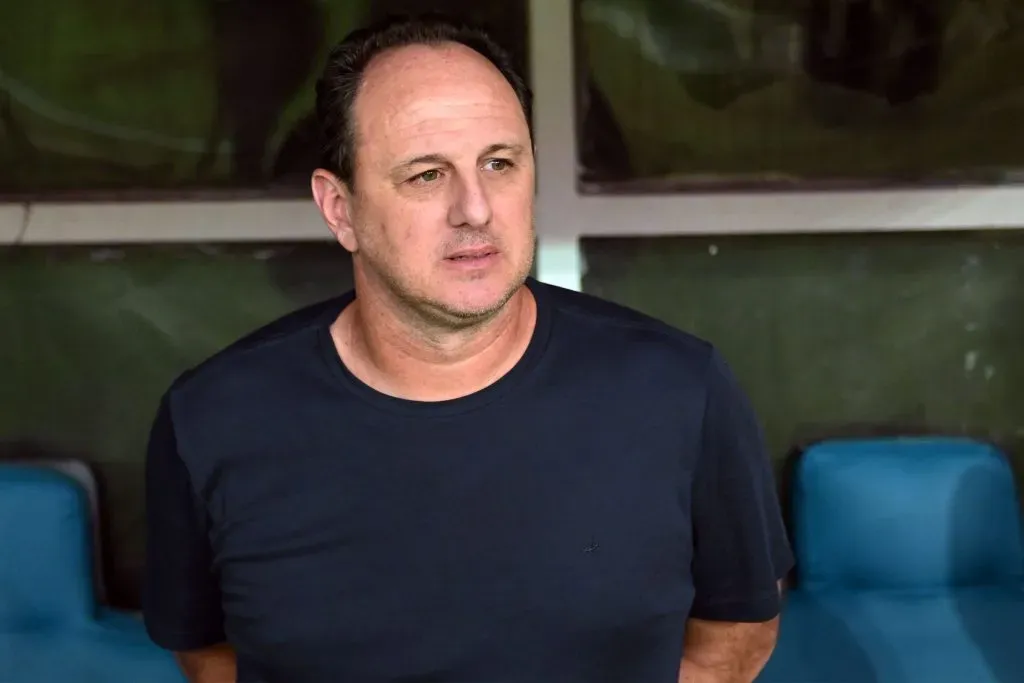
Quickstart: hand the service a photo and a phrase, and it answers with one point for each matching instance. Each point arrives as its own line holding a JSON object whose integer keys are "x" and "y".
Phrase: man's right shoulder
{"x": 256, "y": 359}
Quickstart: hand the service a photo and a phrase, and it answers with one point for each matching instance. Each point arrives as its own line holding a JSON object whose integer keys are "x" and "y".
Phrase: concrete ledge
{"x": 12, "y": 222}
{"x": 200, "y": 221}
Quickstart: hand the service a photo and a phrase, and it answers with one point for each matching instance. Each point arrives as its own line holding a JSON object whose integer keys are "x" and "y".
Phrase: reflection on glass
{"x": 107, "y": 96}
{"x": 689, "y": 93}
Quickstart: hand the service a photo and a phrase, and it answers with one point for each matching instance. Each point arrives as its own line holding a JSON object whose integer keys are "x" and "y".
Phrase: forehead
{"x": 420, "y": 96}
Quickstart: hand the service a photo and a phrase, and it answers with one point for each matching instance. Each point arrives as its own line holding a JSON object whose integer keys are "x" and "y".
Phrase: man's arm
{"x": 215, "y": 664}
{"x": 181, "y": 601}
{"x": 741, "y": 553}
{"x": 726, "y": 652}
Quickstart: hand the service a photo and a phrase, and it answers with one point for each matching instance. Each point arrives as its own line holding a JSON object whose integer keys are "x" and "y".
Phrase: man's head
{"x": 427, "y": 174}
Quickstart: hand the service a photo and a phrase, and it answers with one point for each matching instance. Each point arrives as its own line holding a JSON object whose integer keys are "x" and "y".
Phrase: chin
{"x": 475, "y": 307}
{"x": 473, "y": 301}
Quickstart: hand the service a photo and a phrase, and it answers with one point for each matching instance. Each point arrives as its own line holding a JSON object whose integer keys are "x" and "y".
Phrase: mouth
{"x": 472, "y": 254}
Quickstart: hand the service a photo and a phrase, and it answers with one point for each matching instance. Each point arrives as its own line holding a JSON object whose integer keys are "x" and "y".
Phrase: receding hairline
{"x": 384, "y": 57}
{"x": 380, "y": 59}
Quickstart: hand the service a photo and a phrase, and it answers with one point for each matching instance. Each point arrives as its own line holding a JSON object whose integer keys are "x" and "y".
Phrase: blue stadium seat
{"x": 51, "y": 628}
{"x": 910, "y": 561}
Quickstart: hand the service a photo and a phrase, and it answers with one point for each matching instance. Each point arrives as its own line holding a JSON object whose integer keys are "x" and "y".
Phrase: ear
{"x": 334, "y": 200}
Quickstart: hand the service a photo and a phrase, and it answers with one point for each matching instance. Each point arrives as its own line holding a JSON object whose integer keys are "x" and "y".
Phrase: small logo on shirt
{"x": 593, "y": 547}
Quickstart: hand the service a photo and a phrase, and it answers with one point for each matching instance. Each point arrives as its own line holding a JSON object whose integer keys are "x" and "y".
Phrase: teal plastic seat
{"x": 51, "y": 628}
{"x": 910, "y": 566}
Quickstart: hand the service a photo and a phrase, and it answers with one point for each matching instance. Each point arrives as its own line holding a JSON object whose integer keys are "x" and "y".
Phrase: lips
{"x": 474, "y": 253}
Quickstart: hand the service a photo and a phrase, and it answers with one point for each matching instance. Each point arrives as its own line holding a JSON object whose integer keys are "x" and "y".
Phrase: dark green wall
{"x": 830, "y": 334}
{"x": 845, "y": 333}
{"x": 92, "y": 337}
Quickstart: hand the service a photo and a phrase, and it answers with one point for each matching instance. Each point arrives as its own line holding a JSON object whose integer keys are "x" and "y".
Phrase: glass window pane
{"x": 102, "y": 97}
{"x": 684, "y": 94}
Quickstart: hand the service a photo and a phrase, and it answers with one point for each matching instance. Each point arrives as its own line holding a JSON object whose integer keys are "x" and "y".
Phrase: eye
{"x": 426, "y": 177}
{"x": 498, "y": 165}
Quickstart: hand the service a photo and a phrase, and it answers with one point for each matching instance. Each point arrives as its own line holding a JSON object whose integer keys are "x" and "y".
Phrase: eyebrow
{"x": 512, "y": 149}
{"x": 437, "y": 159}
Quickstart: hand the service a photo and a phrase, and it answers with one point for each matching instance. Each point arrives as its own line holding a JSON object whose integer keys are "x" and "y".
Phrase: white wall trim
{"x": 563, "y": 215}
{"x": 802, "y": 212}
{"x": 203, "y": 221}
{"x": 12, "y": 222}
{"x": 559, "y": 255}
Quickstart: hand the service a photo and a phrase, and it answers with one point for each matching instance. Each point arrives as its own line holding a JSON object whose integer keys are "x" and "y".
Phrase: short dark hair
{"x": 337, "y": 87}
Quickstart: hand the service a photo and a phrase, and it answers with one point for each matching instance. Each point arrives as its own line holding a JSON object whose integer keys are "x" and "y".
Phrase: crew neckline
{"x": 502, "y": 386}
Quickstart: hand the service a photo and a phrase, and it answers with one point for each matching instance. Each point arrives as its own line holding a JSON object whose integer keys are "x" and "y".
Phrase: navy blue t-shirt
{"x": 560, "y": 525}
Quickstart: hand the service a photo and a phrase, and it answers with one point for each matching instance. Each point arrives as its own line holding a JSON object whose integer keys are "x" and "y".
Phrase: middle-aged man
{"x": 456, "y": 473}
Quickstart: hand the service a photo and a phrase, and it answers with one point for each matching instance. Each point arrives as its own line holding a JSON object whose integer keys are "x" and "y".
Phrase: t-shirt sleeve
{"x": 740, "y": 546}
{"x": 181, "y": 596}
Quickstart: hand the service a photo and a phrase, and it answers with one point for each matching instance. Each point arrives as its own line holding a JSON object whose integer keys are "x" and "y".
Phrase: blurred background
{"x": 181, "y": 101}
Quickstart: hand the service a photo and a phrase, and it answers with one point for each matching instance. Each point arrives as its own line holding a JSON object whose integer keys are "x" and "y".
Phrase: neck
{"x": 402, "y": 355}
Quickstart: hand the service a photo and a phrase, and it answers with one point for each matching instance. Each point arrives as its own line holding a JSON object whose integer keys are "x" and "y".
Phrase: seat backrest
{"x": 905, "y": 513}
{"x": 85, "y": 477}
{"x": 45, "y": 549}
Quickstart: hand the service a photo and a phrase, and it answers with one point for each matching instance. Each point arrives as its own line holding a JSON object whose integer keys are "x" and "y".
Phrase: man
{"x": 456, "y": 473}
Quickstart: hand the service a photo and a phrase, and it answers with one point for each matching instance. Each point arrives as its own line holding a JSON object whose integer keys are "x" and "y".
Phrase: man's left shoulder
{"x": 606, "y": 328}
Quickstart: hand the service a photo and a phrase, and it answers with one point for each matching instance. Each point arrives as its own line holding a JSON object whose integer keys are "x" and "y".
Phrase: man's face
{"x": 442, "y": 211}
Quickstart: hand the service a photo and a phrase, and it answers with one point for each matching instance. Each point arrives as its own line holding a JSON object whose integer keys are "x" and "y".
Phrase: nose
{"x": 470, "y": 205}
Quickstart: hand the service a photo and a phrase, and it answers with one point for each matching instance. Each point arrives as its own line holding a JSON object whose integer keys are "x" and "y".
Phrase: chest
{"x": 430, "y": 545}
